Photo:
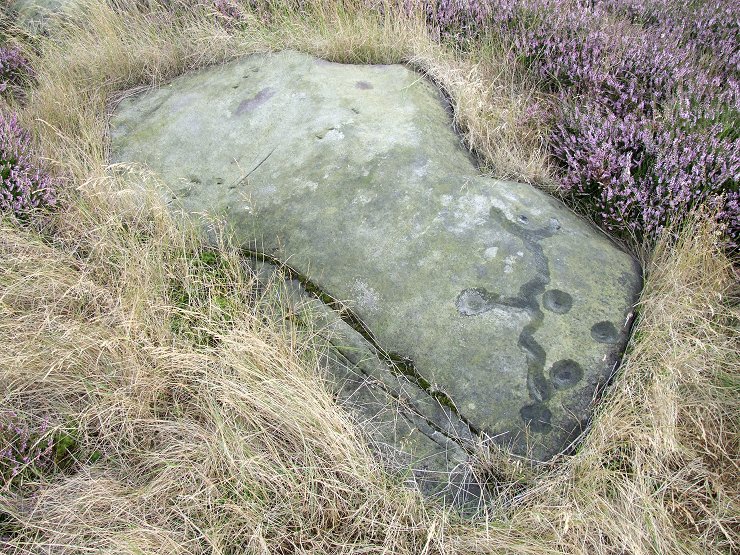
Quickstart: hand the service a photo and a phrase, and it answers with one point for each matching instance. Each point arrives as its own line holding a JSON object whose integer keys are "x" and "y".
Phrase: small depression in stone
{"x": 473, "y": 301}
{"x": 565, "y": 374}
{"x": 363, "y": 85}
{"x": 537, "y": 417}
{"x": 557, "y": 301}
{"x": 605, "y": 332}
{"x": 251, "y": 103}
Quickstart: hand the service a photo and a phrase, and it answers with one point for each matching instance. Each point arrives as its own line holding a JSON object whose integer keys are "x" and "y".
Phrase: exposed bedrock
{"x": 503, "y": 306}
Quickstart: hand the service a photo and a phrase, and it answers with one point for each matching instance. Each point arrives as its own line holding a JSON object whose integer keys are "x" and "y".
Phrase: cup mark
{"x": 604, "y": 332}
{"x": 565, "y": 374}
{"x": 257, "y": 100}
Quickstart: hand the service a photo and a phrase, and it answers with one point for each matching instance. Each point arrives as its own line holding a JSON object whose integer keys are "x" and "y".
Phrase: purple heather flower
{"x": 24, "y": 187}
{"x": 649, "y": 97}
{"x": 23, "y": 445}
{"x": 14, "y": 68}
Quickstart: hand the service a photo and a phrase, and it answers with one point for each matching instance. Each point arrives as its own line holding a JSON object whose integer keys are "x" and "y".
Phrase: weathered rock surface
{"x": 408, "y": 427}
{"x": 508, "y": 309}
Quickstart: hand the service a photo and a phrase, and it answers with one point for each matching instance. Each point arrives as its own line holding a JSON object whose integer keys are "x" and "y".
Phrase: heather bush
{"x": 32, "y": 453}
{"x": 646, "y": 99}
{"x": 640, "y": 174}
{"x": 14, "y": 69}
{"x": 24, "y": 187}
{"x": 234, "y": 12}
{"x": 228, "y": 9}
{"x": 25, "y": 449}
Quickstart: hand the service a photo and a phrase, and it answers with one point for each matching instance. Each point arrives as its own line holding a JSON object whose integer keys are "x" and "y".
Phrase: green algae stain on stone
{"x": 499, "y": 297}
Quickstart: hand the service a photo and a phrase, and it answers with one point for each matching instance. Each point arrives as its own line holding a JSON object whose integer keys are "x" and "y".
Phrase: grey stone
{"x": 506, "y": 307}
{"x": 407, "y": 427}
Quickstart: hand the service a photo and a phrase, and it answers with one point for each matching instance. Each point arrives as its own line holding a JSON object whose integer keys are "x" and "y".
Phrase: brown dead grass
{"x": 223, "y": 439}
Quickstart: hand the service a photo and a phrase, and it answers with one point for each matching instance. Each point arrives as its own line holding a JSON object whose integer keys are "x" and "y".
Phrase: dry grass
{"x": 215, "y": 431}
{"x": 205, "y": 448}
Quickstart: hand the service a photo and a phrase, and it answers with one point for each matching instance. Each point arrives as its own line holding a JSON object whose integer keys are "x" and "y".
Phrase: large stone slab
{"x": 407, "y": 427}
{"x": 509, "y": 309}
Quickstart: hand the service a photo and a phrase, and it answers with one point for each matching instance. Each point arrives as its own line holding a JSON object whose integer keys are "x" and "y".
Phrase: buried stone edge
{"x": 461, "y": 482}
{"x": 538, "y": 387}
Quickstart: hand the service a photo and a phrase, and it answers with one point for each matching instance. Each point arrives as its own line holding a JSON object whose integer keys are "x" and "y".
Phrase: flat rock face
{"x": 507, "y": 308}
